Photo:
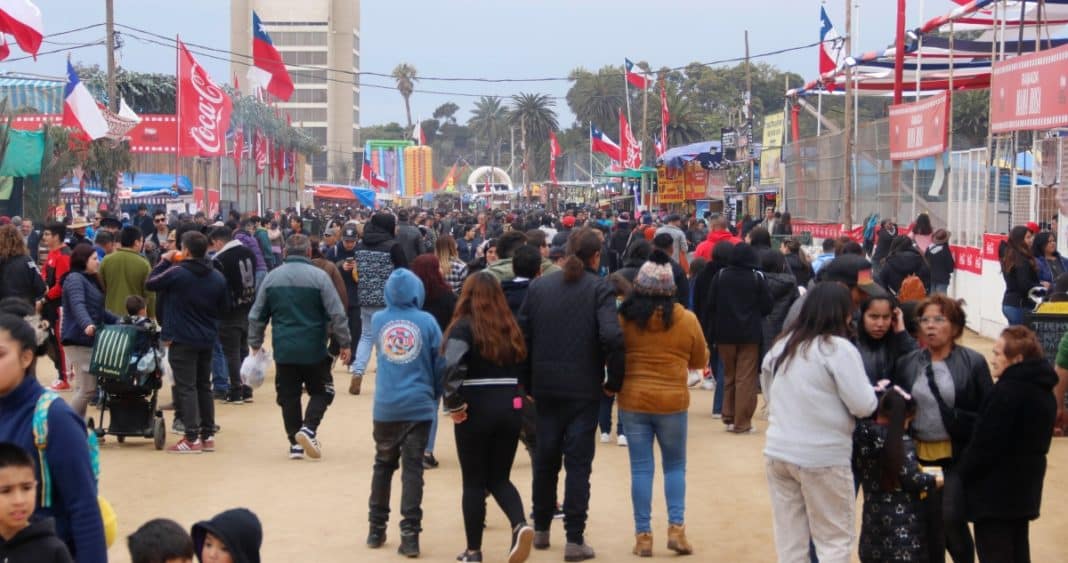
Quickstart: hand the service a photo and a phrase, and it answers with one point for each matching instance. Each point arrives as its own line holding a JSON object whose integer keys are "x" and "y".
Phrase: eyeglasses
{"x": 161, "y": 220}
{"x": 936, "y": 320}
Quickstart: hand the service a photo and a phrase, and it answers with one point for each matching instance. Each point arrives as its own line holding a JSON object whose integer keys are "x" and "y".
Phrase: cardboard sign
{"x": 1030, "y": 92}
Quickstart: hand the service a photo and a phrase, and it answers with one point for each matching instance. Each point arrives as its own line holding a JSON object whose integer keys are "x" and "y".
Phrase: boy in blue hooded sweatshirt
{"x": 407, "y": 390}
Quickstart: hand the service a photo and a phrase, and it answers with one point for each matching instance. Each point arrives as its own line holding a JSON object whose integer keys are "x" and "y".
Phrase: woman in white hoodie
{"x": 815, "y": 385}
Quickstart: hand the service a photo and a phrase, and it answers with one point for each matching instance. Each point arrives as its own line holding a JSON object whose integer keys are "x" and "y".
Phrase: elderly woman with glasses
{"x": 949, "y": 382}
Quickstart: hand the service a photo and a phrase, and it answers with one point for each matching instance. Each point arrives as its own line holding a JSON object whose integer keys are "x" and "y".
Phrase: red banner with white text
{"x": 918, "y": 129}
{"x": 203, "y": 109}
{"x": 1028, "y": 92}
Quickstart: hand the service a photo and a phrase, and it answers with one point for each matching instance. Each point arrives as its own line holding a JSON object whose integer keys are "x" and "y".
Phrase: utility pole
{"x": 113, "y": 98}
{"x": 847, "y": 133}
{"x": 748, "y": 108}
{"x": 899, "y": 76}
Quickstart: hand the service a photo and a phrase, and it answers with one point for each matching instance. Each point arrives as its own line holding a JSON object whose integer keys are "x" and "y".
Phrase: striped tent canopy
{"x": 44, "y": 96}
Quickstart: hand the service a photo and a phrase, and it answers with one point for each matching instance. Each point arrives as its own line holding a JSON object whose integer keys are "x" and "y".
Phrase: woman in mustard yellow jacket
{"x": 663, "y": 341}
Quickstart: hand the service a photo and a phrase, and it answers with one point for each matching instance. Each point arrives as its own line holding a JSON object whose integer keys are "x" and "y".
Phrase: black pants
{"x": 399, "y": 444}
{"x": 192, "y": 382}
{"x": 233, "y": 334}
{"x": 947, "y": 524}
{"x": 486, "y": 443}
{"x": 355, "y": 328}
{"x": 1003, "y": 541}
{"x": 567, "y": 429}
{"x": 290, "y": 382}
{"x": 528, "y": 431}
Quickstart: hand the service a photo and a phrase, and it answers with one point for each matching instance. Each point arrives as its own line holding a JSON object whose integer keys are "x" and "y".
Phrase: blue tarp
{"x": 141, "y": 182}
{"x": 678, "y": 156}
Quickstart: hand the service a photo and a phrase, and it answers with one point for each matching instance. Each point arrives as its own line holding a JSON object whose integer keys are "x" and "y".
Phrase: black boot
{"x": 376, "y": 536}
{"x": 409, "y": 546}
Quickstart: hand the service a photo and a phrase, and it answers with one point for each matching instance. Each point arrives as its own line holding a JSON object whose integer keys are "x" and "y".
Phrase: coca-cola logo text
{"x": 210, "y": 100}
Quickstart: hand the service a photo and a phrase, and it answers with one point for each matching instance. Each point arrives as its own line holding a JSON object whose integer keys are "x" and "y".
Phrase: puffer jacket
{"x": 252, "y": 244}
{"x": 783, "y": 288}
{"x": 881, "y": 356}
{"x": 83, "y": 305}
{"x": 377, "y": 255}
{"x": 902, "y": 265}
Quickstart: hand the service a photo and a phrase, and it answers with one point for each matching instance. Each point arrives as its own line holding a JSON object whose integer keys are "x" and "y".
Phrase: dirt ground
{"x": 317, "y": 511}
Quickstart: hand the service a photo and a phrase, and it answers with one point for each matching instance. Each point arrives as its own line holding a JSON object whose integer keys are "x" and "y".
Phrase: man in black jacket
{"x": 409, "y": 237}
{"x": 665, "y": 243}
{"x": 377, "y": 255}
{"x": 344, "y": 255}
{"x": 569, "y": 319}
{"x": 237, "y": 264}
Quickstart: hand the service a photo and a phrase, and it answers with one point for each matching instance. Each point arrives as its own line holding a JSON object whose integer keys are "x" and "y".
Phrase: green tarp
{"x": 24, "y": 152}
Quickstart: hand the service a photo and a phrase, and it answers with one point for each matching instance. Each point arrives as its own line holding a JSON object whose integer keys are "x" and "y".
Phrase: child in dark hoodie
{"x": 407, "y": 390}
{"x": 20, "y": 540}
{"x": 233, "y": 536}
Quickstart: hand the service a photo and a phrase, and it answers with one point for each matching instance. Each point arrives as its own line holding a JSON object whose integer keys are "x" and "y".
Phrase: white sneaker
{"x": 693, "y": 378}
{"x": 605, "y": 438}
{"x": 730, "y": 428}
{"x": 709, "y": 384}
{"x": 716, "y": 416}
{"x": 622, "y": 441}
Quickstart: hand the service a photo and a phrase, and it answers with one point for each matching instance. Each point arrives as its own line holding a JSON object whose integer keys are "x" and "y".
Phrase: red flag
{"x": 260, "y": 148}
{"x": 203, "y": 109}
{"x": 279, "y": 164}
{"x": 554, "y": 151}
{"x": 22, "y": 19}
{"x": 292, "y": 165}
{"x": 665, "y": 116}
{"x": 5, "y": 50}
{"x": 237, "y": 87}
{"x": 629, "y": 149}
{"x": 239, "y": 147}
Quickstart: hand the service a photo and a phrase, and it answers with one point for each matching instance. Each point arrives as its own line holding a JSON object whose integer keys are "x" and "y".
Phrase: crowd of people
{"x": 526, "y": 327}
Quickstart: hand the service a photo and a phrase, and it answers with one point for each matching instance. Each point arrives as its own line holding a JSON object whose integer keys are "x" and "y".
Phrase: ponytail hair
{"x": 582, "y": 246}
{"x": 895, "y": 407}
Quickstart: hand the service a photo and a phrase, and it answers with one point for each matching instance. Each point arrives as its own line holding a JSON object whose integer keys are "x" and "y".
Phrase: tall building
{"x": 317, "y": 39}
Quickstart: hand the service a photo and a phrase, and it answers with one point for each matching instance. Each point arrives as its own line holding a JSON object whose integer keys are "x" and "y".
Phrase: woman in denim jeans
{"x": 663, "y": 341}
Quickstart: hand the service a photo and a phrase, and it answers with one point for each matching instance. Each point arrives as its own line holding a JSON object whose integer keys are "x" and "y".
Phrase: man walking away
{"x": 377, "y": 255}
{"x": 409, "y": 237}
{"x": 196, "y": 296}
{"x": 305, "y": 309}
{"x": 569, "y": 343}
{"x": 237, "y": 264}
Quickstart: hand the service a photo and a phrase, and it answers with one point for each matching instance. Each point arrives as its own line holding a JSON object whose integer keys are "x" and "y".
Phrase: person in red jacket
{"x": 56, "y": 266}
{"x": 717, "y": 231}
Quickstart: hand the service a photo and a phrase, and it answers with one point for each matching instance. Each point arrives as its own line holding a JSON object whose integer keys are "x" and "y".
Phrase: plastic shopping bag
{"x": 165, "y": 367}
{"x": 254, "y": 368}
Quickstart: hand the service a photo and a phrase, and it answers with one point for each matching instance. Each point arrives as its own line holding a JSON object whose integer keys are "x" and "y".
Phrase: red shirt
{"x": 57, "y": 264}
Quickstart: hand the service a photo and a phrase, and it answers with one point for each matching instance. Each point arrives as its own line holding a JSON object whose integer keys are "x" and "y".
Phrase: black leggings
{"x": 1003, "y": 541}
{"x": 486, "y": 443}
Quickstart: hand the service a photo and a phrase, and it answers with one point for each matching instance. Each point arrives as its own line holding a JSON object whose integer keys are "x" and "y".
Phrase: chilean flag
{"x": 368, "y": 175}
{"x": 635, "y": 79}
{"x": 658, "y": 146}
{"x": 22, "y": 19}
{"x": 830, "y": 44}
{"x": 269, "y": 64}
{"x": 599, "y": 142}
{"x": 79, "y": 108}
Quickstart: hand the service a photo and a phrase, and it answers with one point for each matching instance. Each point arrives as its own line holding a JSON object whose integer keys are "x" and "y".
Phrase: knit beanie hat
{"x": 655, "y": 277}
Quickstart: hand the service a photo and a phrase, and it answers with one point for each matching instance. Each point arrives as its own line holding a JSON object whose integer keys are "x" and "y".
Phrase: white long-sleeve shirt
{"x": 813, "y": 400}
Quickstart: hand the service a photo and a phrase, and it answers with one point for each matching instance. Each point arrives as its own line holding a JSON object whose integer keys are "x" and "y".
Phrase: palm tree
{"x": 596, "y": 98}
{"x": 488, "y": 121}
{"x": 406, "y": 76}
{"x": 536, "y": 118}
{"x": 685, "y": 124}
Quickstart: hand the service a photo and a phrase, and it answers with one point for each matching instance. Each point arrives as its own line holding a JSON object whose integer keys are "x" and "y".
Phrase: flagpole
{"x": 591, "y": 154}
{"x": 177, "y": 107}
{"x": 626, "y": 94}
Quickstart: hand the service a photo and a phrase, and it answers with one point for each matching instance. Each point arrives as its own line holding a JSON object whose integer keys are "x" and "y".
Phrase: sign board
{"x": 991, "y": 244}
{"x": 1030, "y": 92}
{"x": 696, "y": 180}
{"x": 671, "y": 190}
{"x": 1049, "y": 329}
{"x": 918, "y": 129}
{"x": 967, "y": 258}
{"x": 771, "y": 149}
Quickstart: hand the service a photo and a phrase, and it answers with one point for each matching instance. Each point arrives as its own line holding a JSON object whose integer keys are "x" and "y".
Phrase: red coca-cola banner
{"x": 1030, "y": 92}
{"x": 991, "y": 244}
{"x": 967, "y": 258}
{"x": 919, "y": 129}
{"x": 203, "y": 109}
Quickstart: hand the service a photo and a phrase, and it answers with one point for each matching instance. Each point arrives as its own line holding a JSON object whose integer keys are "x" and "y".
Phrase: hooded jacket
{"x": 36, "y": 543}
{"x": 236, "y": 263}
{"x": 704, "y": 250}
{"x": 900, "y": 266}
{"x": 74, "y": 506}
{"x": 738, "y": 300}
{"x": 377, "y": 255}
{"x": 883, "y": 239}
{"x": 301, "y": 303}
{"x": 1005, "y": 463}
{"x": 238, "y": 528}
{"x": 409, "y": 378}
{"x": 940, "y": 259}
{"x": 20, "y": 277}
{"x": 783, "y": 291}
{"x": 197, "y": 298}
{"x": 253, "y": 245}
{"x": 802, "y": 273}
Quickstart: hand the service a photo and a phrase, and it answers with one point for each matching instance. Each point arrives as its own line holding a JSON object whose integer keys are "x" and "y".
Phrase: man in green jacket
{"x": 265, "y": 242}
{"x": 124, "y": 273}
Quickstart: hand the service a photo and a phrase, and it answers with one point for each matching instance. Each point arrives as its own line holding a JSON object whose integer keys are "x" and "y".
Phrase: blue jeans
{"x": 220, "y": 375}
{"x": 433, "y": 437}
{"x": 367, "y": 340}
{"x": 1015, "y": 315}
{"x": 604, "y": 417}
{"x": 669, "y": 430}
{"x": 719, "y": 370}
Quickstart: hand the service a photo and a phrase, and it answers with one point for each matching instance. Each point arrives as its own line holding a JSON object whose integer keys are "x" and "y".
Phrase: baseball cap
{"x": 568, "y": 221}
{"x": 854, "y": 271}
{"x": 1033, "y": 227}
{"x": 349, "y": 233}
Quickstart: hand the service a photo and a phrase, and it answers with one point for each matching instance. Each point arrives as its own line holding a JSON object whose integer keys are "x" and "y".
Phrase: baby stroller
{"x": 126, "y": 363}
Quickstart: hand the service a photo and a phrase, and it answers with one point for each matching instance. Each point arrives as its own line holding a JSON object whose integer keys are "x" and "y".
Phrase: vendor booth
{"x": 352, "y": 195}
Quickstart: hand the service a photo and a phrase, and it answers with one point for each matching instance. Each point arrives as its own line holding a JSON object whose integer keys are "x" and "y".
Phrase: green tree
{"x": 488, "y": 123}
{"x": 406, "y": 77}
{"x": 446, "y": 111}
{"x": 534, "y": 115}
{"x": 596, "y": 98}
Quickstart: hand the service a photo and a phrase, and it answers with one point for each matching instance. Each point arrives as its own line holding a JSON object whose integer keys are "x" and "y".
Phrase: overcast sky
{"x": 490, "y": 39}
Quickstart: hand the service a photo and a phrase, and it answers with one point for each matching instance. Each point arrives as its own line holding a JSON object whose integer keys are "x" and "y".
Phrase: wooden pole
{"x": 847, "y": 133}
{"x": 645, "y": 116}
{"x": 748, "y": 107}
{"x": 113, "y": 99}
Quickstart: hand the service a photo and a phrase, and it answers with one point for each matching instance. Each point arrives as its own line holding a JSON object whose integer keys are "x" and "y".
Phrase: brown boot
{"x": 643, "y": 544}
{"x": 677, "y": 539}
{"x": 354, "y": 385}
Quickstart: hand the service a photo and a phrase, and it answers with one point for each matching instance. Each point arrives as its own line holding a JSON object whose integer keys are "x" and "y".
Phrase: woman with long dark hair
{"x": 882, "y": 337}
{"x": 1050, "y": 262}
{"x": 815, "y": 387}
{"x": 921, "y": 233}
{"x": 18, "y": 271}
{"x": 440, "y": 302}
{"x": 484, "y": 356}
{"x": 950, "y": 382}
{"x": 1020, "y": 271}
{"x": 83, "y": 315}
{"x": 663, "y": 342}
{"x": 798, "y": 261}
{"x": 903, "y": 261}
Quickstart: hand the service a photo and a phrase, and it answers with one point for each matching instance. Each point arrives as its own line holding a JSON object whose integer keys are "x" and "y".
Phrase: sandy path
{"x": 316, "y": 511}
